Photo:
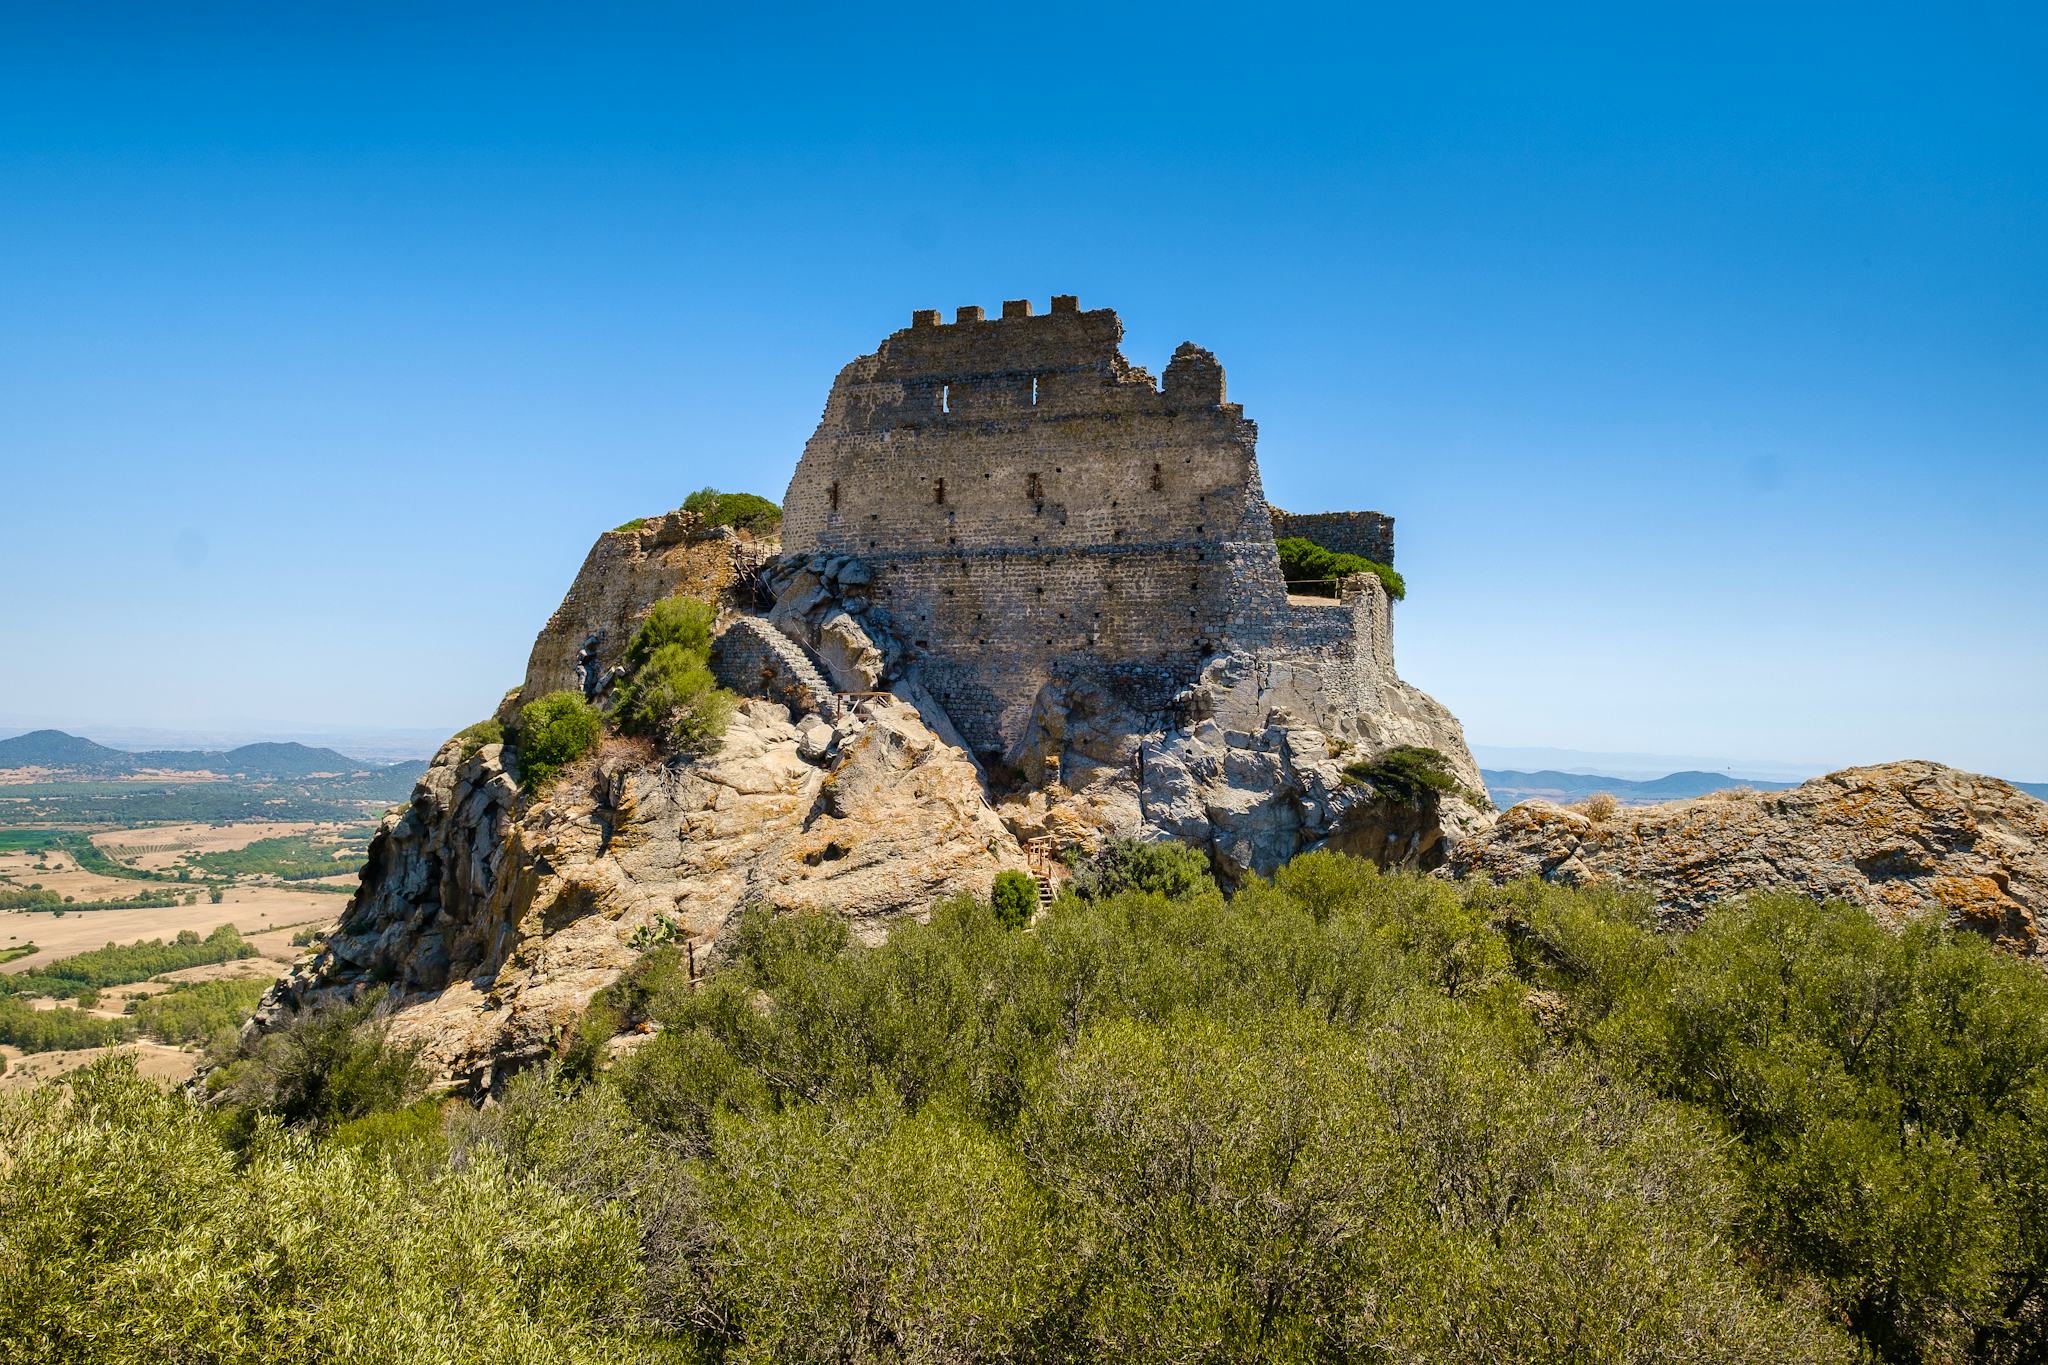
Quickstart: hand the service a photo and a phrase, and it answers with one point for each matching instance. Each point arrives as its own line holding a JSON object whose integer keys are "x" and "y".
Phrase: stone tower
{"x": 1032, "y": 506}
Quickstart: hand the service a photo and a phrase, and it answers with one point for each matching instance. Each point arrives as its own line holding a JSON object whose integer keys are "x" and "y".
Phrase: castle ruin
{"x": 1035, "y": 511}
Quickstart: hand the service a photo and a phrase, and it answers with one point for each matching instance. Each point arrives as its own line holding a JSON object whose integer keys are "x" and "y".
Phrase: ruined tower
{"x": 1031, "y": 506}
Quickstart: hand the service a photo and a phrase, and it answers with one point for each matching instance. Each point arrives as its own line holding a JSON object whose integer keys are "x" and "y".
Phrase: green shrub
{"x": 1161, "y": 869}
{"x": 1308, "y": 565}
{"x": 1403, "y": 773}
{"x": 1344, "y": 1115}
{"x": 1013, "y": 898}
{"x": 288, "y": 857}
{"x": 328, "y": 1065}
{"x": 476, "y": 736}
{"x": 747, "y": 511}
{"x": 1175, "y": 1129}
{"x": 554, "y": 732}
{"x": 135, "y": 1234}
{"x": 668, "y": 693}
{"x": 635, "y": 524}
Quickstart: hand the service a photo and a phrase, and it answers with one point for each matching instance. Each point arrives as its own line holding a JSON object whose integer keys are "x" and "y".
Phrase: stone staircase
{"x": 755, "y": 659}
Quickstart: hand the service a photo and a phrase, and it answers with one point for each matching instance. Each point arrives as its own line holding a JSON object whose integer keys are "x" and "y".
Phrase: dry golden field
{"x": 267, "y": 913}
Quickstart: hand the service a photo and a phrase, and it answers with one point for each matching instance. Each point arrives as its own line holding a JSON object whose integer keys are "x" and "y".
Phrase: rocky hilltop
{"x": 1902, "y": 839}
{"x": 1023, "y": 596}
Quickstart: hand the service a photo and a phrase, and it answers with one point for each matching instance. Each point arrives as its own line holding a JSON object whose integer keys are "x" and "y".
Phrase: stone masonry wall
{"x": 1028, "y": 499}
{"x": 1370, "y": 534}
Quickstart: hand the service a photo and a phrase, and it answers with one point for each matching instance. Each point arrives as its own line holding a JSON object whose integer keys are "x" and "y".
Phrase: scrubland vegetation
{"x": 287, "y": 857}
{"x": 1341, "y": 1116}
{"x": 667, "y": 695}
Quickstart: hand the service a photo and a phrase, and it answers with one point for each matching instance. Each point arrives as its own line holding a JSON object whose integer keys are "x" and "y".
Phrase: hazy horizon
{"x": 390, "y": 744}
{"x": 1701, "y": 359}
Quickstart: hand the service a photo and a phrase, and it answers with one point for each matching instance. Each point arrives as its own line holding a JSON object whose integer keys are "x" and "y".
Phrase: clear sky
{"x": 1701, "y": 354}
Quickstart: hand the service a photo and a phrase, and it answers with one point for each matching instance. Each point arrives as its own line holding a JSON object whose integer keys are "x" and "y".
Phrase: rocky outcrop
{"x": 1239, "y": 775}
{"x": 1231, "y": 768}
{"x": 1902, "y": 839}
{"x": 492, "y": 924}
{"x": 626, "y": 572}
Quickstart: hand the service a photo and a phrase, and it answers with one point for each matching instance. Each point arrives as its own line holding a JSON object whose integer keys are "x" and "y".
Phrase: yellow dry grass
{"x": 260, "y": 912}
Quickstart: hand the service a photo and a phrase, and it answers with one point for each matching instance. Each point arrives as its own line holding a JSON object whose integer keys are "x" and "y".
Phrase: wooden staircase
{"x": 1042, "y": 855}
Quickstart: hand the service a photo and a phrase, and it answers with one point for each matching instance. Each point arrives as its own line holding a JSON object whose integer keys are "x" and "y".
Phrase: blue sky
{"x": 1703, "y": 358}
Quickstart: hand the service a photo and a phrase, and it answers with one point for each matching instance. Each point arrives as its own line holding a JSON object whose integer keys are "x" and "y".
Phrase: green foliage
{"x": 1890, "y": 1095}
{"x": 134, "y": 1234}
{"x": 33, "y": 1030}
{"x": 1343, "y": 1115}
{"x": 38, "y": 900}
{"x": 635, "y": 524}
{"x": 1161, "y": 869}
{"x": 1403, "y": 773}
{"x": 393, "y": 1133}
{"x": 117, "y": 965}
{"x": 1305, "y": 564}
{"x": 287, "y": 857}
{"x": 1313, "y": 1122}
{"x": 1013, "y": 898}
{"x": 668, "y": 693}
{"x": 327, "y": 1066}
{"x": 552, "y": 733}
{"x": 747, "y": 511}
{"x": 475, "y": 737}
{"x": 17, "y": 953}
{"x": 207, "y": 1013}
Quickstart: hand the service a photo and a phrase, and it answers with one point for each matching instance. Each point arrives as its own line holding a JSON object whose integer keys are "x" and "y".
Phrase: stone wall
{"x": 1370, "y": 534}
{"x": 626, "y": 572}
{"x": 753, "y": 658}
{"x": 1031, "y": 502}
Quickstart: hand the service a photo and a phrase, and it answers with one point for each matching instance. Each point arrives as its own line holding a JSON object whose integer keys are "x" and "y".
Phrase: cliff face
{"x": 492, "y": 921}
{"x": 1902, "y": 839}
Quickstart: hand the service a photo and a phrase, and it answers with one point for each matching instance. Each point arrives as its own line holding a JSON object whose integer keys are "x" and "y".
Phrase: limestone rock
{"x": 1902, "y": 839}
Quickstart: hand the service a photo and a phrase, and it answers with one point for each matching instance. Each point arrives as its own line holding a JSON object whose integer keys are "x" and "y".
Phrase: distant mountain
{"x": 1506, "y": 788}
{"x": 55, "y": 749}
{"x": 258, "y": 760}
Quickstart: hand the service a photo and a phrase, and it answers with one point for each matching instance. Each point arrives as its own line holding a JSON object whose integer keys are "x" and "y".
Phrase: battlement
{"x": 1013, "y": 310}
